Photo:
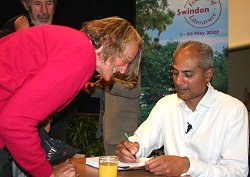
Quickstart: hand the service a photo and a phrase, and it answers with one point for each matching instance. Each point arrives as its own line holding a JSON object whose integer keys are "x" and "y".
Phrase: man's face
{"x": 40, "y": 11}
{"x": 189, "y": 79}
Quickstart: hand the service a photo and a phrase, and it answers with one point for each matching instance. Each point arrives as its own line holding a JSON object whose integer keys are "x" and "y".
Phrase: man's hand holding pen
{"x": 125, "y": 151}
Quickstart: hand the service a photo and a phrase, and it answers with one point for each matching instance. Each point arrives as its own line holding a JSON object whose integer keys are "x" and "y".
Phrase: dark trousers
{"x": 5, "y": 163}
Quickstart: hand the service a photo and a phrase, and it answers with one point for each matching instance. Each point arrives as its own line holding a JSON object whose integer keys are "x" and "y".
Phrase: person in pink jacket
{"x": 42, "y": 69}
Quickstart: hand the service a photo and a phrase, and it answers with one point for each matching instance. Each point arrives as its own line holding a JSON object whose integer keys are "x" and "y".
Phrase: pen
{"x": 126, "y": 136}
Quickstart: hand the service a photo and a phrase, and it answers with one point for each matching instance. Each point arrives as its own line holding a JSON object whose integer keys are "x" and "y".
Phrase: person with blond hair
{"x": 50, "y": 67}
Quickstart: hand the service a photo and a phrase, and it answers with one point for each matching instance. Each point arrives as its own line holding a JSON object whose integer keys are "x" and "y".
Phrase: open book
{"x": 94, "y": 162}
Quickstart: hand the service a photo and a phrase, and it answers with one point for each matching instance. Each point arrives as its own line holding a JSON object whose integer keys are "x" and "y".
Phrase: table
{"x": 87, "y": 171}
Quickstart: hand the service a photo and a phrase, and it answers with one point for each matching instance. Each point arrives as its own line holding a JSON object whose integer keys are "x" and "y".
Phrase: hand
{"x": 46, "y": 124}
{"x": 168, "y": 165}
{"x": 125, "y": 151}
{"x": 89, "y": 87}
{"x": 21, "y": 23}
{"x": 100, "y": 83}
{"x": 65, "y": 169}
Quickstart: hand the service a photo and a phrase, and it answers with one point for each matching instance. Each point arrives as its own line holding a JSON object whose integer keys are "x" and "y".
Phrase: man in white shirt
{"x": 204, "y": 131}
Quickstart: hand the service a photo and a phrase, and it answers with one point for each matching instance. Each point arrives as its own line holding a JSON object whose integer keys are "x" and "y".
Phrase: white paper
{"x": 94, "y": 162}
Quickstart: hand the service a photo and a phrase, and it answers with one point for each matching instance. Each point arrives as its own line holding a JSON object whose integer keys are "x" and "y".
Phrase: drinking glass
{"x": 108, "y": 166}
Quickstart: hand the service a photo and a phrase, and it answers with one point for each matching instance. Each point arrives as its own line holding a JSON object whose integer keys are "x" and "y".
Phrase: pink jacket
{"x": 41, "y": 70}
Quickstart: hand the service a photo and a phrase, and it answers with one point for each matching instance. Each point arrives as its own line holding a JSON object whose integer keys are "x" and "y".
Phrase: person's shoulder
{"x": 230, "y": 101}
{"x": 172, "y": 96}
{"x": 229, "y": 107}
{"x": 169, "y": 99}
{"x": 168, "y": 102}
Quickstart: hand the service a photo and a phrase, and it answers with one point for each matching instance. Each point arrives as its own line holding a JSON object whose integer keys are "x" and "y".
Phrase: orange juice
{"x": 108, "y": 169}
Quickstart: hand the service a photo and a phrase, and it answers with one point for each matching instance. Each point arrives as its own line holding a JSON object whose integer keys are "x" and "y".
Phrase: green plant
{"x": 82, "y": 135}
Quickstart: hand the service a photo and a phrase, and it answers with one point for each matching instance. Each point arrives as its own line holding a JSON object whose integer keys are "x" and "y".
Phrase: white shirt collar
{"x": 206, "y": 101}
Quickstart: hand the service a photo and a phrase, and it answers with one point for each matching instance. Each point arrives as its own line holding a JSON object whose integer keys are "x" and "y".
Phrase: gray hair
{"x": 204, "y": 50}
{"x": 27, "y": 2}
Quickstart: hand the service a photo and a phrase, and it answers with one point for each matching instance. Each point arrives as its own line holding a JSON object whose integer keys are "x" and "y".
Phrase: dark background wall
{"x": 73, "y": 13}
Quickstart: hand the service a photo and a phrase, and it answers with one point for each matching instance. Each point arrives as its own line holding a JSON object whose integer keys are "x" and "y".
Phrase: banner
{"x": 163, "y": 24}
{"x": 202, "y": 20}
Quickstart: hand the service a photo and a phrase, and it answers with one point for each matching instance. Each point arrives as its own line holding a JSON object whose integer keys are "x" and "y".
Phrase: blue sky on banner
{"x": 213, "y": 29}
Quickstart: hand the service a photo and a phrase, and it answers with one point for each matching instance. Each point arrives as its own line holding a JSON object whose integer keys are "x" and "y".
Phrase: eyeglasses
{"x": 128, "y": 59}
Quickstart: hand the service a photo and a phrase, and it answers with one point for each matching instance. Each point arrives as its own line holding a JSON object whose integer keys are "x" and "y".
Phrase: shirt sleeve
{"x": 149, "y": 133}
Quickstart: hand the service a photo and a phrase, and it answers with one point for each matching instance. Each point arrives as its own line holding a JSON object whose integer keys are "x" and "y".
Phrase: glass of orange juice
{"x": 108, "y": 166}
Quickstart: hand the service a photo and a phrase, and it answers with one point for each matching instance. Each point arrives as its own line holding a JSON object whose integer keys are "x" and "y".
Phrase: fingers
{"x": 89, "y": 87}
{"x": 66, "y": 169}
{"x": 46, "y": 124}
{"x": 101, "y": 82}
{"x": 21, "y": 23}
{"x": 98, "y": 76}
{"x": 133, "y": 147}
{"x": 71, "y": 171}
{"x": 125, "y": 151}
{"x": 167, "y": 165}
{"x": 154, "y": 166}
{"x": 158, "y": 172}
